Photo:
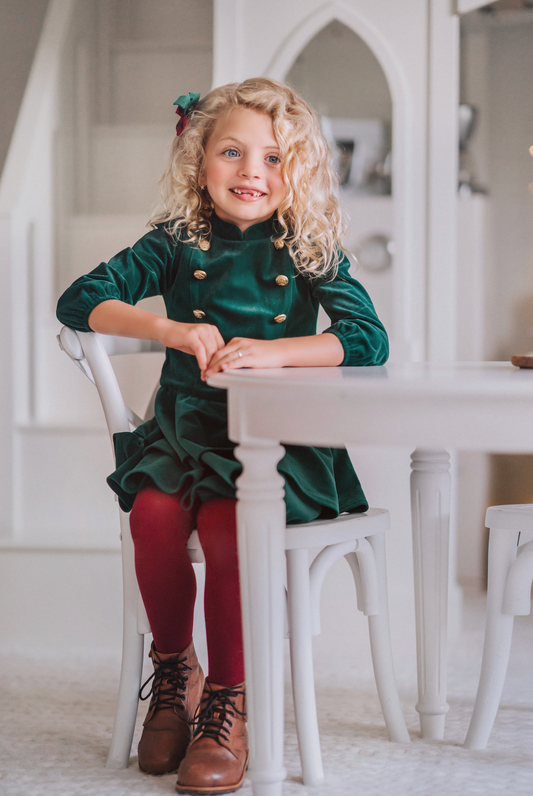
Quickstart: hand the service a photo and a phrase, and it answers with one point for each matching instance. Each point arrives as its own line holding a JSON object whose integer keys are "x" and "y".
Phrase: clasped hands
{"x": 205, "y": 342}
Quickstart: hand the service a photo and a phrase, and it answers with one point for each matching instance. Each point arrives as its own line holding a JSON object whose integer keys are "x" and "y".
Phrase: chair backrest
{"x": 91, "y": 351}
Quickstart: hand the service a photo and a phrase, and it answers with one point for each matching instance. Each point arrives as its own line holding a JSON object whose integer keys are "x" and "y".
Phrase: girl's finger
{"x": 210, "y": 349}
{"x": 200, "y": 354}
{"x": 219, "y": 354}
{"x": 219, "y": 339}
{"x": 232, "y": 360}
{"x": 240, "y": 359}
{"x": 214, "y": 342}
{"x": 226, "y": 355}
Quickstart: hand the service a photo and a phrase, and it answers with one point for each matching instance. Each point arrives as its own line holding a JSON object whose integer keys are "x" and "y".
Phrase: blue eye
{"x": 231, "y": 153}
{"x": 273, "y": 159}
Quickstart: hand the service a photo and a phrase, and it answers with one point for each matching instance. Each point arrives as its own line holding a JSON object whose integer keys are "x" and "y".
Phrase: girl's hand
{"x": 244, "y": 352}
{"x": 202, "y": 340}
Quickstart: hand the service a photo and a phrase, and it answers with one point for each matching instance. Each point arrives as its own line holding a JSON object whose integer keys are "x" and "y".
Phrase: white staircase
{"x": 130, "y": 61}
{"x": 79, "y": 185}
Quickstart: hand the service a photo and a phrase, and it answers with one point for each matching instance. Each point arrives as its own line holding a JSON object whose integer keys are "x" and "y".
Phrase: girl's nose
{"x": 251, "y": 168}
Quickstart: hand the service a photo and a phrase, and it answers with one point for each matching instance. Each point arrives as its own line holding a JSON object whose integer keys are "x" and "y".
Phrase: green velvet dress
{"x": 185, "y": 447}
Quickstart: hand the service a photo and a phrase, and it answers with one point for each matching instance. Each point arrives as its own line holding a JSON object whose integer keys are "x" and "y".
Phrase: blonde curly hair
{"x": 310, "y": 218}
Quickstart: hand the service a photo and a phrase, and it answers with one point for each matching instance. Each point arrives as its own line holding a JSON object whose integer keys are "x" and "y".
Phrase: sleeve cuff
{"x": 344, "y": 344}
{"x": 77, "y": 317}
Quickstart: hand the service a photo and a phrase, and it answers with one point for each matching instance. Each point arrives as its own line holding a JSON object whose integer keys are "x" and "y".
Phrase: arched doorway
{"x": 339, "y": 75}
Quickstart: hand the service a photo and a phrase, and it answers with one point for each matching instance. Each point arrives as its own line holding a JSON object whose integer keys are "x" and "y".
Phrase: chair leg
{"x": 303, "y": 685}
{"x": 497, "y": 645}
{"x": 380, "y": 645}
{"x": 132, "y": 659}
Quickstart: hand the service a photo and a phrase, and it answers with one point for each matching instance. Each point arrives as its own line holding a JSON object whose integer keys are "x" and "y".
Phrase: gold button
{"x": 279, "y": 244}
{"x": 282, "y": 280}
{"x": 204, "y": 245}
{"x": 200, "y": 274}
{"x": 280, "y": 318}
{"x": 198, "y": 314}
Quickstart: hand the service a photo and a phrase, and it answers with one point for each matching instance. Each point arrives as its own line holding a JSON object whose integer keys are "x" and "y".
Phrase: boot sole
{"x": 210, "y": 791}
{"x": 157, "y": 773}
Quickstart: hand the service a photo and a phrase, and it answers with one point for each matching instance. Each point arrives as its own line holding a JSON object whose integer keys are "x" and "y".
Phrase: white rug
{"x": 56, "y": 718}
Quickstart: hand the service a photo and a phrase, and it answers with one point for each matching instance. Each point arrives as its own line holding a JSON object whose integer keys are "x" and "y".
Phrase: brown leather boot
{"x": 176, "y": 690}
{"x": 217, "y": 756}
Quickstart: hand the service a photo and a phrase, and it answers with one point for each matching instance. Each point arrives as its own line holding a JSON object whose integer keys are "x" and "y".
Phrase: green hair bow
{"x": 186, "y": 104}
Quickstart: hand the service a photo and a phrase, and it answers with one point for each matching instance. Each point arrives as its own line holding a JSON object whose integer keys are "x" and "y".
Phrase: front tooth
{"x": 250, "y": 193}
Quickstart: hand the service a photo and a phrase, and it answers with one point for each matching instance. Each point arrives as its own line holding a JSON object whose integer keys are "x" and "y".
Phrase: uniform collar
{"x": 226, "y": 231}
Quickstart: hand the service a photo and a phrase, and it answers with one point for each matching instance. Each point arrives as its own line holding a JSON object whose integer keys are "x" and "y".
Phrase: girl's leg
{"x": 217, "y": 529}
{"x": 160, "y": 528}
{"x": 217, "y": 757}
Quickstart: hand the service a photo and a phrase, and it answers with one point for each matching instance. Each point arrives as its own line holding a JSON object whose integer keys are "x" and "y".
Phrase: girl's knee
{"x": 217, "y": 529}
{"x": 156, "y": 514}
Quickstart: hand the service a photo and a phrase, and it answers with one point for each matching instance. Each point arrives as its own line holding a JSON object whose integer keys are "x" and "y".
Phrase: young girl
{"x": 244, "y": 251}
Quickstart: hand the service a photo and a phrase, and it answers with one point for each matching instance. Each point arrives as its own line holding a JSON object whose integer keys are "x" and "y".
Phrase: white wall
{"x": 497, "y": 68}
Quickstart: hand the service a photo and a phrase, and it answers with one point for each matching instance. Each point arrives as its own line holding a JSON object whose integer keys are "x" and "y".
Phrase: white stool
{"x": 508, "y": 595}
{"x": 358, "y": 537}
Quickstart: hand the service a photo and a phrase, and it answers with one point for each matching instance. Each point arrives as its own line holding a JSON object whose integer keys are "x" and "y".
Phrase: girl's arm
{"x": 202, "y": 340}
{"x": 103, "y": 301}
{"x": 353, "y": 318}
{"x": 356, "y": 335}
{"x": 144, "y": 270}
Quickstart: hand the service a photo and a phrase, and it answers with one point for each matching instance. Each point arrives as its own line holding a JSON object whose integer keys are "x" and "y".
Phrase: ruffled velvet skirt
{"x": 185, "y": 448}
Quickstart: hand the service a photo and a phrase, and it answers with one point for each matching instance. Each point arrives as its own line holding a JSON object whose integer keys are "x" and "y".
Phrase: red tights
{"x": 160, "y": 528}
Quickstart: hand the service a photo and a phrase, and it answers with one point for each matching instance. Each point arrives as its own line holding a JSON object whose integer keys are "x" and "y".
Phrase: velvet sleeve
{"x": 353, "y": 318}
{"x": 144, "y": 270}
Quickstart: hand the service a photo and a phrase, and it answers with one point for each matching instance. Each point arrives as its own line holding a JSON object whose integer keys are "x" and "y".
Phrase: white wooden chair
{"x": 508, "y": 595}
{"x": 359, "y": 538}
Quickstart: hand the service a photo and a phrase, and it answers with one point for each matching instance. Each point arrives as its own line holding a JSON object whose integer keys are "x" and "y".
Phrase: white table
{"x": 470, "y": 406}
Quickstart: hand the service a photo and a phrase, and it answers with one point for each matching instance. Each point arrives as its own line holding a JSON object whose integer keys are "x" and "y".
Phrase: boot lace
{"x": 169, "y": 683}
{"x": 214, "y": 718}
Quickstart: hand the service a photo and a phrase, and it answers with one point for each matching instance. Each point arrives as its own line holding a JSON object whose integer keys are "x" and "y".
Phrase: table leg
{"x": 430, "y": 509}
{"x": 261, "y": 538}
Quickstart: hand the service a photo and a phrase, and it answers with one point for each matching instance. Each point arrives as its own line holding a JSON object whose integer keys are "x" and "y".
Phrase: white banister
{"x": 35, "y": 109}
{"x": 27, "y": 242}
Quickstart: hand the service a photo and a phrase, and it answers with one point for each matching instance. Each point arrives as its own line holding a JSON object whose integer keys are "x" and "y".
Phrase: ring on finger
{"x": 239, "y": 353}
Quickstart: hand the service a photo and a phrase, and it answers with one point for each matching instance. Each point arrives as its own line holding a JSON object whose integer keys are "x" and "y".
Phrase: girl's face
{"x": 242, "y": 168}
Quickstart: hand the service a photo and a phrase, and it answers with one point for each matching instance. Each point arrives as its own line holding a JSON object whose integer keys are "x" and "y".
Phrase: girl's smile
{"x": 242, "y": 168}
{"x": 247, "y": 194}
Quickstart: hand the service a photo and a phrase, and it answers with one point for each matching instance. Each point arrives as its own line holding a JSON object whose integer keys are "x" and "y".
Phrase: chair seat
{"x": 514, "y": 517}
{"x": 341, "y": 529}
